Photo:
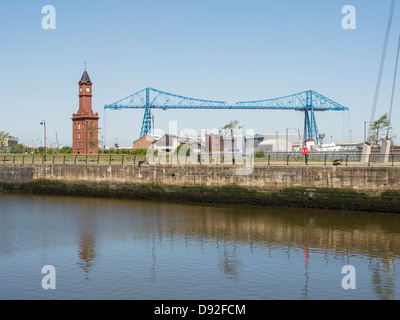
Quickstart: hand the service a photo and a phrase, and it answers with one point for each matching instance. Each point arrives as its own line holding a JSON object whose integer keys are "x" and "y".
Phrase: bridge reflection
{"x": 333, "y": 234}
{"x": 151, "y": 243}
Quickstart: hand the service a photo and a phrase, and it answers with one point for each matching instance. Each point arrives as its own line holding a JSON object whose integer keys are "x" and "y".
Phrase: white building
{"x": 274, "y": 142}
{"x": 275, "y": 145}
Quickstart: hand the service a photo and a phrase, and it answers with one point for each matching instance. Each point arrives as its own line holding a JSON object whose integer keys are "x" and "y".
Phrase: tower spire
{"x": 85, "y": 76}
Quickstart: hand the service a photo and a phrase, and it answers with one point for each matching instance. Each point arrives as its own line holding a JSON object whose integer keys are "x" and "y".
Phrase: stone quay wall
{"x": 325, "y": 183}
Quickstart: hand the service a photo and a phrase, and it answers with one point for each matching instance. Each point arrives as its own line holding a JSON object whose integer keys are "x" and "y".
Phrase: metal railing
{"x": 127, "y": 159}
{"x": 76, "y": 159}
{"x": 270, "y": 158}
{"x": 331, "y": 158}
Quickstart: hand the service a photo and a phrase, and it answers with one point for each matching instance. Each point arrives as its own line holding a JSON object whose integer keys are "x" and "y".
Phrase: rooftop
{"x": 85, "y": 77}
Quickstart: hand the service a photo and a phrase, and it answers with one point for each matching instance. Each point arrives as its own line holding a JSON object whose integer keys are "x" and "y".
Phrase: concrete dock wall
{"x": 366, "y": 181}
{"x": 369, "y": 180}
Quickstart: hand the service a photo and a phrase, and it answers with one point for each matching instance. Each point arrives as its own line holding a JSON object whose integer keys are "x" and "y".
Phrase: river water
{"x": 124, "y": 249}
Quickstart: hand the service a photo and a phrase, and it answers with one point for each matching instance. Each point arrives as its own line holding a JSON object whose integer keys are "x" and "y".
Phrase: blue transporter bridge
{"x": 308, "y": 102}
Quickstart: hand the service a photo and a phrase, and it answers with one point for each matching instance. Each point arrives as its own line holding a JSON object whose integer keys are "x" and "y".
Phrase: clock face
{"x": 87, "y": 90}
{"x": 80, "y": 89}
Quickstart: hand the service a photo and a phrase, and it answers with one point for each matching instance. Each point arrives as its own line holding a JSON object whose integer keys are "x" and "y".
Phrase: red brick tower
{"x": 85, "y": 122}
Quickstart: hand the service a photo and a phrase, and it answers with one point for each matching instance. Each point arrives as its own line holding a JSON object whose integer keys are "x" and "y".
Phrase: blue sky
{"x": 220, "y": 50}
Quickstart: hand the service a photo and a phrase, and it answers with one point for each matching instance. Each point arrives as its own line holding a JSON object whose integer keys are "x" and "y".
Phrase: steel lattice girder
{"x": 156, "y": 99}
{"x": 146, "y": 125}
{"x": 307, "y": 101}
{"x": 310, "y": 127}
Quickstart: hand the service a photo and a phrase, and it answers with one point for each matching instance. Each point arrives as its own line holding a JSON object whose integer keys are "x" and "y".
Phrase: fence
{"x": 72, "y": 159}
{"x": 129, "y": 159}
{"x": 335, "y": 158}
{"x": 270, "y": 158}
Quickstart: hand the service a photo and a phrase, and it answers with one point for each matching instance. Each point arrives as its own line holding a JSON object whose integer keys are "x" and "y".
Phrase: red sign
{"x": 305, "y": 150}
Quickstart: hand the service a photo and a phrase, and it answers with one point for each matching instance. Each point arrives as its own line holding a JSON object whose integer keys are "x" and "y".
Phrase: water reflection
{"x": 382, "y": 278}
{"x": 244, "y": 244}
{"x": 306, "y": 257}
{"x": 86, "y": 253}
{"x": 341, "y": 235}
{"x": 154, "y": 260}
{"x": 228, "y": 260}
{"x": 86, "y": 224}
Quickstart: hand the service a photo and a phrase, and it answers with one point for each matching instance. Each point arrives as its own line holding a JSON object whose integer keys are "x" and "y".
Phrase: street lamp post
{"x": 151, "y": 117}
{"x": 152, "y": 124}
{"x": 233, "y": 143}
{"x": 321, "y": 137}
{"x": 43, "y": 123}
{"x": 287, "y": 138}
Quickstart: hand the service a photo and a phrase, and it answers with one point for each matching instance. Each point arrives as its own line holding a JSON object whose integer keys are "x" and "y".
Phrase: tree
{"x": 65, "y": 150}
{"x": 92, "y": 130}
{"x": 259, "y": 154}
{"x": 186, "y": 149}
{"x": 228, "y": 128}
{"x": 17, "y": 149}
{"x": 380, "y": 129}
{"x": 28, "y": 150}
{"x": 4, "y": 137}
{"x": 40, "y": 150}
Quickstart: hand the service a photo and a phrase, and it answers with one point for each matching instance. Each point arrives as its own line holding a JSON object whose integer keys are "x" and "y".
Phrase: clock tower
{"x": 85, "y": 122}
